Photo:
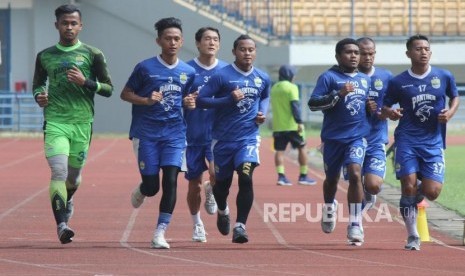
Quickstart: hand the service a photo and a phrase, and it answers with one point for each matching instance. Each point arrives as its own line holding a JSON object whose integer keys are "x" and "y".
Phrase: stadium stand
{"x": 316, "y": 18}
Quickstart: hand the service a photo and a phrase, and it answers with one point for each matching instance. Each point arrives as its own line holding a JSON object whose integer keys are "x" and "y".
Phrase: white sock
{"x": 411, "y": 223}
{"x": 355, "y": 215}
{"x": 196, "y": 218}
{"x": 239, "y": 224}
{"x": 224, "y": 212}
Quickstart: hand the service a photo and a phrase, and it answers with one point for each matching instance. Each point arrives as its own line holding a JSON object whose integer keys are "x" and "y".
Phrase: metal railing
{"x": 19, "y": 112}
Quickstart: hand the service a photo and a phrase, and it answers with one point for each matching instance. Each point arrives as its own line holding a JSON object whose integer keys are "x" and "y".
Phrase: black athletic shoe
{"x": 65, "y": 234}
{"x": 222, "y": 222}
{"x": 239, "y": 235}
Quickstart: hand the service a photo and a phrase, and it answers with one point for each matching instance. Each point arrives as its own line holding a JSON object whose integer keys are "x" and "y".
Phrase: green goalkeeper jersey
{"x": 282, "y": 94}
{"x": 69, "y": 102}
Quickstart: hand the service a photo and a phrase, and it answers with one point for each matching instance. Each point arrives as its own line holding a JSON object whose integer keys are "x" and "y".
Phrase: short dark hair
{"x": 365, "y": 39}
{"x": 165, "y": 23}
{"x": 411, "y": 39}
{"x": 66, "y": 9}
{"x": 341, "y": 43}
{"x": 241, "y": 37}
{"x": 201, "y": 31}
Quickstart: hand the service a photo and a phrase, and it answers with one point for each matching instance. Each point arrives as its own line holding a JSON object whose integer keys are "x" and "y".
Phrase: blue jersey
{"x": 345, "y": 120}
{"x": 379, "y": 83}
{"x": 235, "y": 121}
{"x": 422, "y": 99}
{"x": 199, "y": 120}
{"x": 163, "y": 119}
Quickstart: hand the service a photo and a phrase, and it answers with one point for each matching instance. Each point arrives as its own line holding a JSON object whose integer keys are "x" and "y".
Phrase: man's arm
{"x": 296, "y": 111}
{"x": 103, "y": 85}
{"x": 128, "y": 95}
{"x": 447, "y": 114}
{"x": 323, "y": 102}
{"x": 39, "y": 84}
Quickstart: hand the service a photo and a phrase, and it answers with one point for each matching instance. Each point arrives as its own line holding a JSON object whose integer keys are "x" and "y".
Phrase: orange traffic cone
{"x": 422, "y": 221}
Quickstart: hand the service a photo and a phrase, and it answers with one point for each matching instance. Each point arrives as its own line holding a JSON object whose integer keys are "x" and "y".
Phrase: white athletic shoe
{"x": 210, "y": 203}
{"x": 199, "y": 235}
{"x": 137, "y": 198}
{"x": 328, "y": 220}
{"x": 413, "y": 243}
{"x": 158, "y": 241}
{"x": 355, "y": 235}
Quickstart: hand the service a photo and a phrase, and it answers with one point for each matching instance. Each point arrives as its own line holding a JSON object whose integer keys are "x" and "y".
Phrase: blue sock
{"x": 164, "y": 218}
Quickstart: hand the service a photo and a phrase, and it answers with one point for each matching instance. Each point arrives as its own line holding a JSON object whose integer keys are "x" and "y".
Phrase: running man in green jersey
{"x": 75, "y": 73}
{"x": 288, "y": 126}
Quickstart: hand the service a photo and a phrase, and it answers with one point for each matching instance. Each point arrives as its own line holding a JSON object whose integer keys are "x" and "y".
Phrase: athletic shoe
{"x": 199, "y": 235}
{"x": 69, "y": 210}
{"x": 370, "y": 201}
{"x": 355, "y": 234}
{"x": 328, "y": 220}
{"x": 283, "y": 181}
{"x": 413, "y": 243}
{"x": 210, "y": 203}
{"x": 65, "y": 234}
{"x": 239, "y": 235}
{"x": 137, "y": 198}
{"x": 305, "y": 180}
{"x": 222, "y": 222}
{"x": 159, "y": 241}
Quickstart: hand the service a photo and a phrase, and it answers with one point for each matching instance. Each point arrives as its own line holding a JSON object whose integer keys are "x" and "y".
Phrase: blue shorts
{"x": 229, "y": 155}
{"x": 337, "y": 155}
{"x": 375, "y": 160}
{"x": 427, "y": 161}
{"x": 195, "y": 159}
{"x": 151, "y": 155}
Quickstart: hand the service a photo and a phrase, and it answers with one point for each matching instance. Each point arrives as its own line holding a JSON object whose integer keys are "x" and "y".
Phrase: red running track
{"x": 112, "y": 238}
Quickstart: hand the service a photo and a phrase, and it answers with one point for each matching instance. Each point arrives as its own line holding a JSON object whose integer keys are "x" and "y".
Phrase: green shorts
{"x": 72, "y": 140}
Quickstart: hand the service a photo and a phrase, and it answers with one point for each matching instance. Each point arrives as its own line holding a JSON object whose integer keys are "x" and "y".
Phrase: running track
{"x": 112, "y": 238}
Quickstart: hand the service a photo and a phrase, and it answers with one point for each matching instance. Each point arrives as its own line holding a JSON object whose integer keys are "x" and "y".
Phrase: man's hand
{"x": 444, "y": 116}
{"x": 237, "y": 94}
{"x": 371, "y": 106}
{"x": 346, "y": 89}
{"x": 189, "y": 100}
{"x": 155, "y": 97}
{"x": 260, "y": 119}
{"x": 392, "y": 113}
{"x": 42, "y": 99}
{"x": 75, "y": 75}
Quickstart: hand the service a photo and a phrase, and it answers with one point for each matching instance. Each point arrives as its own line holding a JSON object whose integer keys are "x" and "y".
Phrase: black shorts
{"x": 282, "y": 138}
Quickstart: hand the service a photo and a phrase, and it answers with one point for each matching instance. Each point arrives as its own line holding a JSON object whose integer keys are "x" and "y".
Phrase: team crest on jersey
{"x": 354, "y": 106}
{"x": 364, "y": 83}
{"x": 378, "y": 84}
{"x": 141, "y": 165}
{"x": 79, "y": 60}
{"x": 436, "y": 82}
{"x": 183, "y": 78}
{"x": 258, "y": 82}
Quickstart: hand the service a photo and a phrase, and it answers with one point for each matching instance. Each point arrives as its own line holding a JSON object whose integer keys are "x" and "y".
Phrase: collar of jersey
{"x": 68, "y": 48}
